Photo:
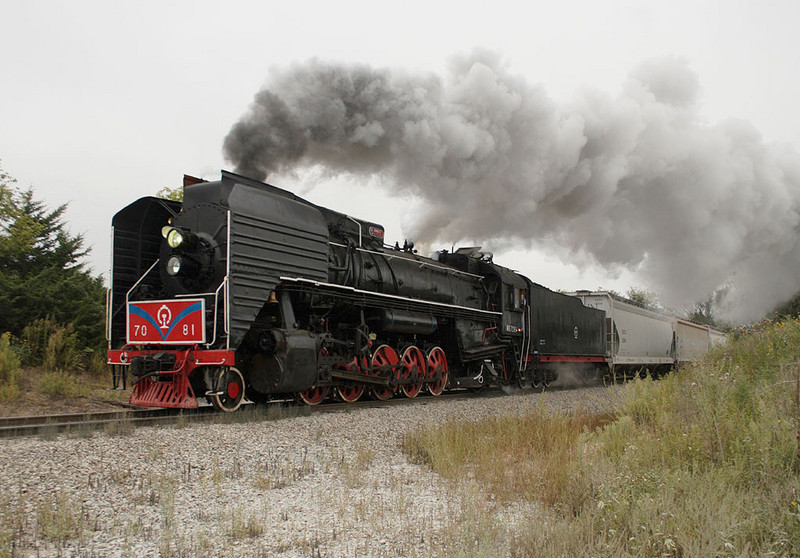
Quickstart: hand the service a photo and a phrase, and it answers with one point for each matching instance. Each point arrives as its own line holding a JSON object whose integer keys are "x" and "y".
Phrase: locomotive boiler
{"x": 245, "y": 290}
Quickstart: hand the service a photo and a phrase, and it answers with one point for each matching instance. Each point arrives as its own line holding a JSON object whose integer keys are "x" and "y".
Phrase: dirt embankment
{"x": 35, "y": 399}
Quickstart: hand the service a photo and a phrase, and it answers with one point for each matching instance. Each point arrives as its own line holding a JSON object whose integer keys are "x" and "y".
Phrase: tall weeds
{"x": 703, "y": 462}
{"x": 62, "y": 352}
{"x": 531, "y": 457}
{"x": 52, "y": 346}
{"x": 35, "y": 336}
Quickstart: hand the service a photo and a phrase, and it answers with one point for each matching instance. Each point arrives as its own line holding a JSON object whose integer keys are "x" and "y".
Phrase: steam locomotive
{"x": 245, "y": 290}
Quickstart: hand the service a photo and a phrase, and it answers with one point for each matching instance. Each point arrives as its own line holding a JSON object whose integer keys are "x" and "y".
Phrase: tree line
{"x": 44, "y": 284}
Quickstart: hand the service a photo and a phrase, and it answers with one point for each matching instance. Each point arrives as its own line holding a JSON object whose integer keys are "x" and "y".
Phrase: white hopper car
{"x": 642, "y": 338}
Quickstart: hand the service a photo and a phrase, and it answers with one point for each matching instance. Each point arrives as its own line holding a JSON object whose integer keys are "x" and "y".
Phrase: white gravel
{"x": 328, "y": 484}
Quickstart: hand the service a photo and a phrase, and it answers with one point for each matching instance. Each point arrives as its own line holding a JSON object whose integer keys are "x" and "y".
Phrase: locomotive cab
{"x": 508, "y": 291}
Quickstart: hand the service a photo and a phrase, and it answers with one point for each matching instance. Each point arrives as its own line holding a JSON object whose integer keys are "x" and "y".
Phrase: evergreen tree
{"x": 41, "y": 269}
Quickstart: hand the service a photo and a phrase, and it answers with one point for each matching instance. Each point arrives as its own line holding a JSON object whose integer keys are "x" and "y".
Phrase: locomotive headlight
{"x": 183, "y": 265}
{"x": 179, "y": 238}
{"x": 186, "y": 256}
{"x": 174, "y": 265}
{"x": 174, "y": 238}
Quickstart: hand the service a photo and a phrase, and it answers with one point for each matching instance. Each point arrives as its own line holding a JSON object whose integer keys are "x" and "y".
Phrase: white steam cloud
{"x": 638, "y": 181}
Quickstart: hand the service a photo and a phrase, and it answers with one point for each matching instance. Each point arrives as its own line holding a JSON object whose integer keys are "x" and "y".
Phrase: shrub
{"x": 9, "y": 370}
{"x": 95, "y": 362}
{"x": 35, "y": 336}
{"x": 63, "y": 384}
{"x": 52, "y": 346}
{"x": 9, "y": 361}
{"x": 62, "y": 350}
{"x": 9, "y": 391}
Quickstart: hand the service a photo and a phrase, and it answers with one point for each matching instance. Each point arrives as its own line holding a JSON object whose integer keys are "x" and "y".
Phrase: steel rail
{"x": 116, "y": 421}
{"x": 38, "y": 425}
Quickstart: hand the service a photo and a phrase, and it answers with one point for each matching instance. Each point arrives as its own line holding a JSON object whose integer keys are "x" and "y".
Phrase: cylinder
{"x": 291, "y": 366}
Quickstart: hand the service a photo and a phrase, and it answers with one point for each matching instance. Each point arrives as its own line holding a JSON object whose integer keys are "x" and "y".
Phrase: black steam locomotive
{"x": 246, "y": 290}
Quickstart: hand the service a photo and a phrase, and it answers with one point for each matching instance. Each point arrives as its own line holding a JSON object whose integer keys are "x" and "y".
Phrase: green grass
{"x": 701, "y": 463}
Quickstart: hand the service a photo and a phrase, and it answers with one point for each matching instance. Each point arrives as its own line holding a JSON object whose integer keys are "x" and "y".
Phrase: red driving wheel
{"x": 384, "y": 356}
{"x": 437, "y": 362}
{"x": 413, "y": 368}
{"x": 350, "y": 392}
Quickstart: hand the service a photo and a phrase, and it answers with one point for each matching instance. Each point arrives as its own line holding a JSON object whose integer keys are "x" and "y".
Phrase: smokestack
{"x": 638, "y": 180}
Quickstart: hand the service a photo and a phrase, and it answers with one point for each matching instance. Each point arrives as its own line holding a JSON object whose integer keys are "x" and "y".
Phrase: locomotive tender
{"x": 247, "y": 290}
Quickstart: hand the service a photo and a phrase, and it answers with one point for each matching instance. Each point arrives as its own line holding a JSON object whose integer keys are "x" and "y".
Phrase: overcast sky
{"x": 104, "y": 102}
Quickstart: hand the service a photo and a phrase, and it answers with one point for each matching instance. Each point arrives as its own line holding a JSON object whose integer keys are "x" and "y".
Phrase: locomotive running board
{"x": 478, "y": 353}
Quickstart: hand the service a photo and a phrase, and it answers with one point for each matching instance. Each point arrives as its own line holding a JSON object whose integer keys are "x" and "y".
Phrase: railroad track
{"x": 80, "y": 423}
{"x": 127, "y": 419}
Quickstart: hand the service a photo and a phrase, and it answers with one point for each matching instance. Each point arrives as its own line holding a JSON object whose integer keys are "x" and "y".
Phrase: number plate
{"x": 168, "y": 322}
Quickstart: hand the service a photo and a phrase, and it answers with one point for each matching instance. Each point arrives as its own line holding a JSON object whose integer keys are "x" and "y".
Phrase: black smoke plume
{"x": 637, "y": 181}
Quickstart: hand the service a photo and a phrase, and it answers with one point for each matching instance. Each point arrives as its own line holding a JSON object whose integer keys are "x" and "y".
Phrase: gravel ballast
{"x": 324, "y": 484}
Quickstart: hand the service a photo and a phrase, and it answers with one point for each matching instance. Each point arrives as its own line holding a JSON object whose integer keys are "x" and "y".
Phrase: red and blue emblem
{"x": 169, "y": 322}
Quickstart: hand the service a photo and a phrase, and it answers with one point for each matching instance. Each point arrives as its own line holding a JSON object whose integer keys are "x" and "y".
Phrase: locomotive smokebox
{"x": 401, "y": 321}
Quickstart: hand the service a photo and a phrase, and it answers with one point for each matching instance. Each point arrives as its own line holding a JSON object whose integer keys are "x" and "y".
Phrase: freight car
{"x": 639, "y": 338}
{"x": 247, "y": 290}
